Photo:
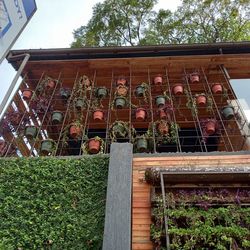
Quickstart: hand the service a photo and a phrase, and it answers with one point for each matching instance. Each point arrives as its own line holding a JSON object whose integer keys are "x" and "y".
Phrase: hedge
{"x": 51, "y": 203}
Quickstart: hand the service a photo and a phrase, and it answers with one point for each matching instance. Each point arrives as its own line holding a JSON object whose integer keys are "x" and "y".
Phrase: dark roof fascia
{"x": 130, "y": 52}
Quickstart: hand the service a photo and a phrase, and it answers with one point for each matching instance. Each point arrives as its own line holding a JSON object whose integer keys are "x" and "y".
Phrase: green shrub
{"x": 51, "y": 203}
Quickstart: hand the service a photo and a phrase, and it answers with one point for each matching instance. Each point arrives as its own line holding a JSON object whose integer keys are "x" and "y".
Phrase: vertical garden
{"x": 51, "y": 203}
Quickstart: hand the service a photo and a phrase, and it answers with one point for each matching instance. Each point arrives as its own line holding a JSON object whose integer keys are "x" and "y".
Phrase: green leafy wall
{"x": 50, "y": 203}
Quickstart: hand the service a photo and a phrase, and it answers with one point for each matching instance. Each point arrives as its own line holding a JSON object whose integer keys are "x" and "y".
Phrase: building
{"x": 174, "y": 104}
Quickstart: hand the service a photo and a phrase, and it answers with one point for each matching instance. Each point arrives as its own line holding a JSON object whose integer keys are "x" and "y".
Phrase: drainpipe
{"x": 13, "y": 83}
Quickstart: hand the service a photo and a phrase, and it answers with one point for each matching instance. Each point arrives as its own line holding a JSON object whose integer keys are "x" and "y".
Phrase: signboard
{"x": 14, "y": 16}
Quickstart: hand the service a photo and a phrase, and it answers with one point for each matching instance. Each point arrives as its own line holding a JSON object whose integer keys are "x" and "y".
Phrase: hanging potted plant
{"x": 75, "y": 129}
{"x": 194, "y": 77}
{"x": 101, "y": 92}
{"x": 142, "y": 90}
{"x": 141, "y": 143}
{"x": 140, "y": 114}
{"x": 209, "y": 126}
{"x": 65, "y": 93}
{"x": 57, "y": 117}
{"x": 165, "y": 112}
{"x": 160, "y": 100}
{"x": 119, "y": 102}
{"x": 158, "y": 79}
{"x": 178, "y": 89}
{"x": 227, "y": 112}
{"x": 27, "y": 94}
{"x": 217, "y": 88}
{"x": 97, "y": 110}
{"x": 162, "y": 127}
{"x": 121, "y": 80}
{"x": 93, "y": 145}
{"x": 47, "y": 147}
{"x": 201, "y": 100}
{"x": 120, "y": 130}
{"x": 85, "y": 82}
{"x": 50, "y": 83}
{"x": 30, "y": 132}
{"x": 121, "y": 90}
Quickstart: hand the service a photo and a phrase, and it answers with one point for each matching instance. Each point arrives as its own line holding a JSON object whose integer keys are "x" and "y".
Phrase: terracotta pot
{"x": 217, "y": 88}
{"x": 141, "y": 145}
{"x": 139, "y": 91}
{"x": 47, "y": 147}
{"x": 160, "y": 101}
{"x": 177, "y": 89}
{"x": 50, "y": 84}
{"x": 102, "y": 92}
{"x": 27, "y": 94}
{"x": 30, "y": 132}
{"x": 120, "y": 103}
{"x": 162, "y": 114}
{"x": 163, "y": 128}
{"x": 227, "y": 112}
{"x": 158, "y": 80}
{"x": 94, "y": 146}
{"x": 74, "y": 131}
{"x": 201, "y": 100}
{"x": 121, "y": 81}
{"x": 140, "y": 114}
{"x": 98, "y": 115}
{"x": 210, "y": 127}
{"x": 80, "y": 103}
{"x": 194, "y": 78}
{"x": 57, "y": 117}
{"x": 122, "y": 90}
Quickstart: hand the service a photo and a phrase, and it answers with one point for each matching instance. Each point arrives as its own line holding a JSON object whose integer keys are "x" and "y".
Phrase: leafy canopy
{"x": 134, "y": 22}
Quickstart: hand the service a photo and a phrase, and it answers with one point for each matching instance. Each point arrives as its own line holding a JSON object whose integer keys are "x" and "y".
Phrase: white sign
{"x": 14, "y": 15}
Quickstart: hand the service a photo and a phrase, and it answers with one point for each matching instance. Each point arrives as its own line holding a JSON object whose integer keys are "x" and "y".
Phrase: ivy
{"x": 51, "y": 203}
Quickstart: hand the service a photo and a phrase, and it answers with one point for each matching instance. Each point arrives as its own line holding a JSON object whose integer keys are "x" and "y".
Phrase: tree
{"x": 131, "y": 22}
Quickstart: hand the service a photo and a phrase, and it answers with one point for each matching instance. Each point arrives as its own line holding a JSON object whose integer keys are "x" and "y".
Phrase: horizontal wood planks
{"x": 141, "y": 207}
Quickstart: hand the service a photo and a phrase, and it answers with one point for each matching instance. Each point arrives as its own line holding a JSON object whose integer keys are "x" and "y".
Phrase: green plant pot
{"x": 47, "y": 147}
{"x": 227, "y": 112}
{"x": 102, "y": 92}
{"x": 142, "y": 145}
{"x": 65, "y": 93}
{"x": 80, "y": 103}
{"x": 57, "y": 117}
{"x": 31, "y": 132}
{"x": 139, "y": 91}
{"x": 120, "y": 103}
{"x": 160, "y": 101}
{"x": 119, "y": 131}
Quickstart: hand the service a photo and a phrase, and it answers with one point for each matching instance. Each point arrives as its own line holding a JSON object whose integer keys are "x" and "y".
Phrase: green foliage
{"x": 193, "y": 227}
{"x": 130, "y": 22}
{"x": 50, "y": 203}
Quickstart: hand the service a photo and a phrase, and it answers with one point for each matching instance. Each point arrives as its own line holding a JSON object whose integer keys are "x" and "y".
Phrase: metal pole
{"x": 13, "y": 84}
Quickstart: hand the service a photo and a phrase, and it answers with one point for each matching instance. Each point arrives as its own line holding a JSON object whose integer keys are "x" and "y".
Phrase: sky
{"x": 52, "y": 26}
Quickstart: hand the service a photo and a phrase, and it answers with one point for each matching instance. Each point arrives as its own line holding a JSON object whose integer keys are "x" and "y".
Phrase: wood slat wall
{"x": 141, "y": 208}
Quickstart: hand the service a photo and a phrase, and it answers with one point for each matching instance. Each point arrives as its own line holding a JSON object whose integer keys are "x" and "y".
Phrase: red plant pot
{"x": 163, "y": 128}
{"x": 122, "y": 90}
{"x": 158, "y": 80}
{"x": 201, "y": 100}
{"x": 140, "y": 114}
{"x": 194, "y": 78}
{"x": 50, "y": 84}
{"x": 210, "y": 128}
{"x": 27, "y": 94}
{"x": 74, "y": 131}
{"x": 98, "y": 115}
{"x": 178, "y": 89}
{"x": 162, "y": 114}
{"x": 121, "y": 81}
{"x": 217, "y": 88}
{"x": 94, "y": 146}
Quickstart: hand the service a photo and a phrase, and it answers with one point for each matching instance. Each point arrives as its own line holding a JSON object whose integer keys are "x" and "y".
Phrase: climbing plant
{"x": 51, "y": 203}
{"x": 202, "y": 219}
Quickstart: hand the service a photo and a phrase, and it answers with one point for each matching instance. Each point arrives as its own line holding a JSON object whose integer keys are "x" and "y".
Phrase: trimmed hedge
{"x": 51, "y": 203}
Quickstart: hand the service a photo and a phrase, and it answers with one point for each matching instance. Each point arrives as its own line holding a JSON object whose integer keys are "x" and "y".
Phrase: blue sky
{"x": 52, "y": 27}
